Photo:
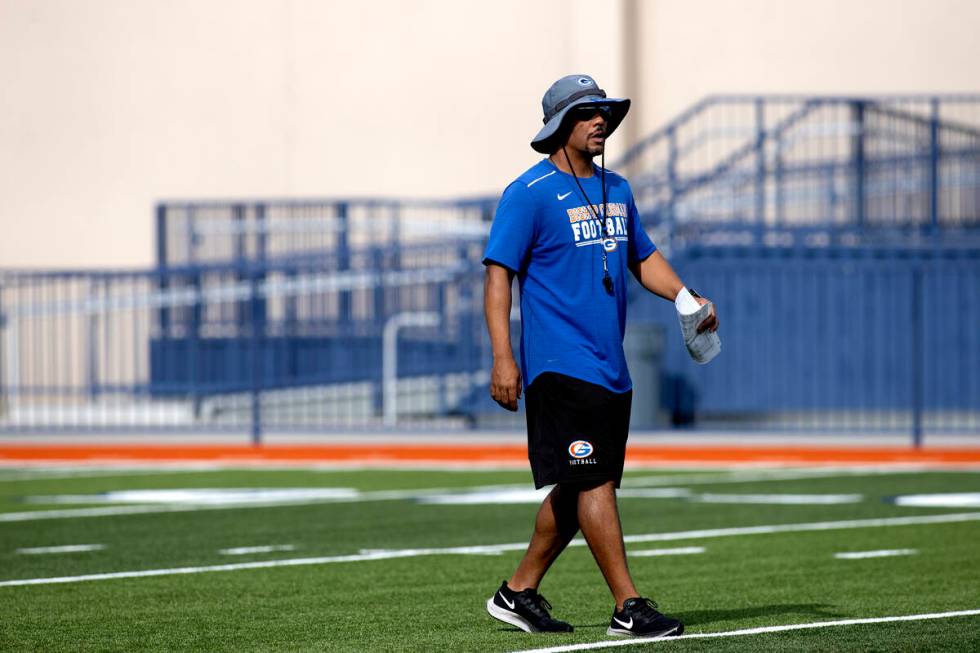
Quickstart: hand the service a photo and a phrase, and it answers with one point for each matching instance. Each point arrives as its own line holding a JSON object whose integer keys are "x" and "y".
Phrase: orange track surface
{"x": 506, "y": 453}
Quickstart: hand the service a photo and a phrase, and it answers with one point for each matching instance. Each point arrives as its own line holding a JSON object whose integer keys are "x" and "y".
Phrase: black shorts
{"x": 576, "y": 430}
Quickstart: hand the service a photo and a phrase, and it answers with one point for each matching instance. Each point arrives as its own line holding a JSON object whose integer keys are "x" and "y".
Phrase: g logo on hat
{"x": 585, "y": 81}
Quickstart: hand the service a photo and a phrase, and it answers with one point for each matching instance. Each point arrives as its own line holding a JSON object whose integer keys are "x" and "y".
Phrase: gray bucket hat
{"x": 567, "y": 93}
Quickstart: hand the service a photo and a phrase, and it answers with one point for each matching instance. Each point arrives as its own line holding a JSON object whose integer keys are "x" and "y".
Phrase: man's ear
{"x": 560, "y": 137}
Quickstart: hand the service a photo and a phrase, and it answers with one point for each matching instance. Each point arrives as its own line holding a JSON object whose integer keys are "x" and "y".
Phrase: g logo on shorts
{"x": 580, "y": 449}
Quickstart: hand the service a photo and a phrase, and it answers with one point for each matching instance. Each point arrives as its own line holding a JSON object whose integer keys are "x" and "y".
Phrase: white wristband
{"x": 685, "y": 302}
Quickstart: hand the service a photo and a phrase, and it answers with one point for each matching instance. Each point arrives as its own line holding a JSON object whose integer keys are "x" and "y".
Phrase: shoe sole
{"x": 509, "y": 617}
{"x": 676, "y": 630}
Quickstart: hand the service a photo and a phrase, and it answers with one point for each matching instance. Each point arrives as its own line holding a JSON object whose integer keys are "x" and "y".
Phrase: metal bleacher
{"x": 814, "y": 171}
{"x": 839, "y": 236}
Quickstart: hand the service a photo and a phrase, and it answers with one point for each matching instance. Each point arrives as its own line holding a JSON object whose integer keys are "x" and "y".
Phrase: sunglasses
{"x": 589, "y": 112}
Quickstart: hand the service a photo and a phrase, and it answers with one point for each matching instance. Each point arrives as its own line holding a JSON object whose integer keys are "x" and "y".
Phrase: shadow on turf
{"x": 709, "y": 616}
{"x": 734, "y": 614}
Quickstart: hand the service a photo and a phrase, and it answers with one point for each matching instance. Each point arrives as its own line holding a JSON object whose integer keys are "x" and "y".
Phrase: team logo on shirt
{"x": 580, "y": 449}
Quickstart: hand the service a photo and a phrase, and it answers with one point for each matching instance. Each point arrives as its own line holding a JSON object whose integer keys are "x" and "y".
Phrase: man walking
{"x": 569, "y": 231}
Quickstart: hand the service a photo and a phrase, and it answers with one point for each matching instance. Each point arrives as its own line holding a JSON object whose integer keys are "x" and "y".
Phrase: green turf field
{"x": 368, "y": 586}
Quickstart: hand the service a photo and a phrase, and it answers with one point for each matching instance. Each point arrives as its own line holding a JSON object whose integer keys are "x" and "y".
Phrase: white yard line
{"x": 100, "y": 511}
{"x": 940, "y": 500}
{"x": 210, "y": 568}
{"x": 884, "y": 553}
{"x": 144, "y": 509}
{"x": 654, "y": 493}
{"x": 679, "y": 551}
{"x": 784, "y": 474}
{"x": 247, "y": 550}
{"x": 515, "y": 546}
{"x": 206, "y": 496}
{"x": 493, "y": 494}
{"x": 750, "y": 631}
{"x": 67, "y": 548}
{"x": 26, "y": 471}
{"x": 779, "y": 499}
{"x": 799, "y": 528}
{"x": 21, "y": 470}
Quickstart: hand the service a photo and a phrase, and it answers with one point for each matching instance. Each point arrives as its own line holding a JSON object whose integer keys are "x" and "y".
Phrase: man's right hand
{"x": 505, "y": 383}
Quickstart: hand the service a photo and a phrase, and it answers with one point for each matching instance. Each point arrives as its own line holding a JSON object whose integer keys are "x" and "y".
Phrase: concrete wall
{"x": 109, "y": 105}
{"x": 693, "y": 48}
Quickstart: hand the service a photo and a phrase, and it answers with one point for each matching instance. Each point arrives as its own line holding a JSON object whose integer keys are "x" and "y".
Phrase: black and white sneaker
{"x": 639, "y": 618}
{"x": 526, "y": 609}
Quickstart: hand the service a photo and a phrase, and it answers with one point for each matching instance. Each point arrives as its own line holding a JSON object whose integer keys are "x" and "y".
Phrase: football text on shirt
{"x": 587, "y": 230}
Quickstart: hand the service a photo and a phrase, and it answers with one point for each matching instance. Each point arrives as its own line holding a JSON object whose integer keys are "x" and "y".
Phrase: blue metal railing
{"x": 192, "y": 233}
{"x": 250, "y": 348}
{"x": 857, "y": 339}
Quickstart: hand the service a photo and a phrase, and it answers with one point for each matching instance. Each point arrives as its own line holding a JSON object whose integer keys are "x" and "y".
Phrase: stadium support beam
{"x": 389, "y": 357}
{"x": 858, "y": 161}
{"x": 934, "y": 145}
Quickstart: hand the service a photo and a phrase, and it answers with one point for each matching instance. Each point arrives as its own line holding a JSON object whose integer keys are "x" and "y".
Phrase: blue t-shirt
{"x": 544, "y": 232}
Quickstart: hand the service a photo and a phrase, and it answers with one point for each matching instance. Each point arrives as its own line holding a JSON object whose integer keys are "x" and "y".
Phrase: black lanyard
{"x": 607, "y": 281}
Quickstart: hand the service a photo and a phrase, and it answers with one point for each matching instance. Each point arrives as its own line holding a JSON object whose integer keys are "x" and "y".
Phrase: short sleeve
{"x": 512, "y": 232}
{"x": 640, "y": 245}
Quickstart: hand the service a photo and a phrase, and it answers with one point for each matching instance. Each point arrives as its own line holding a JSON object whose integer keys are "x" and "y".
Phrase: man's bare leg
{"x": 598, "y": 517}
{"x": 554, "y": 527}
